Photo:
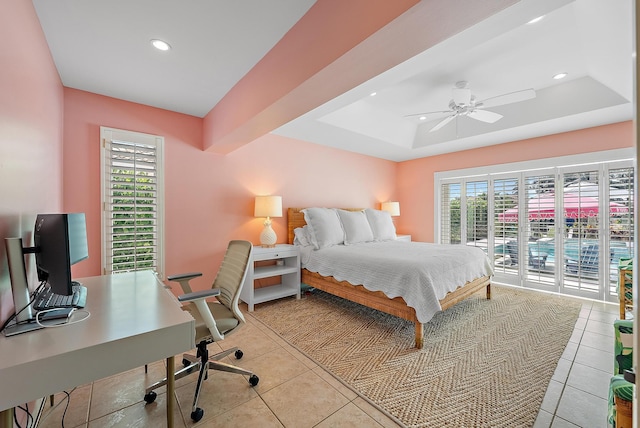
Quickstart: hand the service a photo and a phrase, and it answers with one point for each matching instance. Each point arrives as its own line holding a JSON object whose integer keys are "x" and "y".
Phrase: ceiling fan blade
{"x": 511, "y": 97}
{"x": 485, "y": 116}
{"x": 428, "y": 112}
{"x": 443, "y": 122}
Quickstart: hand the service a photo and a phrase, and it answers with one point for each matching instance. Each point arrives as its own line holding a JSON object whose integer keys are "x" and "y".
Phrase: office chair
{"x": 214, "y": 320}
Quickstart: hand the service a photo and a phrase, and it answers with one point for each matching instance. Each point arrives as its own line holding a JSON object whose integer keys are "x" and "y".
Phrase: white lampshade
{"x": 392, "y": 208}
{"x": 268, "y": 206}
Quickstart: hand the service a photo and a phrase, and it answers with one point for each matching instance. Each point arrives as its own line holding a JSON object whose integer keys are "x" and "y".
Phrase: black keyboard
{"x": 48, "y": 300}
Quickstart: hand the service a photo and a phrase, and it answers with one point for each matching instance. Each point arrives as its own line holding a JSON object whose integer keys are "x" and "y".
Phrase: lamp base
{"x": 268, "y": 236}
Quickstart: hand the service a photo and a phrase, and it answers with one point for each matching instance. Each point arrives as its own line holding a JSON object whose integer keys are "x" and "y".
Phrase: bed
{"x": 396, "y": 306}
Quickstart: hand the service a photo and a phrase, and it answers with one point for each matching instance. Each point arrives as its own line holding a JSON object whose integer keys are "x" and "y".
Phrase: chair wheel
{"x": 253, "y": 380}
{"x": 239, "y": 354}
{"x": 197, "y": 414}
{"x": 150, "y": 397}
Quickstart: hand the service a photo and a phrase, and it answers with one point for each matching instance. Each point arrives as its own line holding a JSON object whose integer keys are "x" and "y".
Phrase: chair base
{"x": 202, "y": 363}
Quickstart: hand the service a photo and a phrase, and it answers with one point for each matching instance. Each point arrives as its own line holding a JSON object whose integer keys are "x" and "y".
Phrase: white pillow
{"x": 356, "y": 227}
{"x": 301, "y": 236}
{"x": 381, "y": 225}
{"x": 324, "y": 226}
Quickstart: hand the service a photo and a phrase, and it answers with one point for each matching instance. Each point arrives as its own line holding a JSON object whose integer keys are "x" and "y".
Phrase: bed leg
{"x": 488, "y": 291}
{"x": 419, "y": 335}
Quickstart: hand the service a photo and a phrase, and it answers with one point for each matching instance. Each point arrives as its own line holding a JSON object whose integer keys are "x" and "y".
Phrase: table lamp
{"x": 392, "y": 208}
{"x": 268, "y": 206}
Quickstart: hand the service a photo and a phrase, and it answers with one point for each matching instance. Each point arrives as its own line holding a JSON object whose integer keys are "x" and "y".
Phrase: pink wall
{"x": 209, "y": 197}
{"x": 416, "y": 178}
{"x": 31, "y": 108}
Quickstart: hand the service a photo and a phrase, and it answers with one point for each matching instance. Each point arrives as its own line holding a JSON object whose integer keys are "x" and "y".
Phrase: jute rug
{"x": 485, "y": 363}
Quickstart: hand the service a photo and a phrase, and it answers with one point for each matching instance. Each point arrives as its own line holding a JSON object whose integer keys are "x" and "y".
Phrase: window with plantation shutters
{"x": 559, "y": 224}
{"x": 132, "y": 198}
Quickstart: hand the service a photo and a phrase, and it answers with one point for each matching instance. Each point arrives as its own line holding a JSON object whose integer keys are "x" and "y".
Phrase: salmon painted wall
{"x": 209, "y": 197}
{"x": 416, "y": 178}
{"x": 31, "y": 106}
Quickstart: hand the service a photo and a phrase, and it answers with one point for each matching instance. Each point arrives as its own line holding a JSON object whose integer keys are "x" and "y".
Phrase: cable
{"x": 49, "y": 412}
{"x": 15, "y": 420}
{"x": 66, "y": 407}
{"x": 32, "y": 298}
{"x": 69, "y": 322}
{"x": 28, "y": 413}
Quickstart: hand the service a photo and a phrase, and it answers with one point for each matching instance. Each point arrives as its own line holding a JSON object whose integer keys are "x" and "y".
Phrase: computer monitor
{"x": 60, "y": 241}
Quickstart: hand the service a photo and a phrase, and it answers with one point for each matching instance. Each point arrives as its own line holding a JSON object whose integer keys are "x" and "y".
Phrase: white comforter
{"x": 419, "y": 272}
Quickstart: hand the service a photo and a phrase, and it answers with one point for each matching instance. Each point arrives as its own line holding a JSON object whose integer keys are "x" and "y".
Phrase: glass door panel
{"x": 505, "y": 208}
{"x": 477, "y": 230}
{"x": 450, "y": 221}
{"x": 583, "y": 252}
{"x": 621, "y": 225}
{"x": 539, "y": 238}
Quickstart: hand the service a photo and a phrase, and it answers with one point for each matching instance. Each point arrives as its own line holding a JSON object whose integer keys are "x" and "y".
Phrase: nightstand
{"x": 403, "y": 238}
{"x": 286, "y": 265}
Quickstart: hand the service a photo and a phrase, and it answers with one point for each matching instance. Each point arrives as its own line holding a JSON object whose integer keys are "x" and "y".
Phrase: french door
{"x": 560, "y": 229}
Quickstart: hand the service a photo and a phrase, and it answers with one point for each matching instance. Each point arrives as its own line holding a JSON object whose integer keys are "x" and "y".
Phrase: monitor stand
{"x": 25, "y": 320}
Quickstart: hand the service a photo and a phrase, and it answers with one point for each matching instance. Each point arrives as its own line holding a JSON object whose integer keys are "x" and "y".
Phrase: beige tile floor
{"x": 295, "y": 392}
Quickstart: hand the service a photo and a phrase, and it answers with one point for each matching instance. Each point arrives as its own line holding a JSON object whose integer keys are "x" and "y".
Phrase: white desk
{"x": 134, "y": 321}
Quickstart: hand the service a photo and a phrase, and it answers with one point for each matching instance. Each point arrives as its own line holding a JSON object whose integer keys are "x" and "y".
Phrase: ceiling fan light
{"x": 462, "y": 96}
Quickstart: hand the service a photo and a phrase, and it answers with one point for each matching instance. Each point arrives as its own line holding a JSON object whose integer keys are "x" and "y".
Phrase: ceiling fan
{"x": 465, "y": 104}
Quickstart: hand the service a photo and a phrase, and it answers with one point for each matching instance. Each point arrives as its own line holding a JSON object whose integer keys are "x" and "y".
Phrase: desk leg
{"x": 6, "y": 418}
{"x": 171, "y": 387}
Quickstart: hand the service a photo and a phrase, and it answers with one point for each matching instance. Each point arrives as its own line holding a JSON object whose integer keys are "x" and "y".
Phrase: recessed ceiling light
{"x": 373, "y": 94}
{"x": 160, "y": 45}
{"x": 560, "y": 76}
{"x": 423, "y": 117}
{"x": 534, "y": 20}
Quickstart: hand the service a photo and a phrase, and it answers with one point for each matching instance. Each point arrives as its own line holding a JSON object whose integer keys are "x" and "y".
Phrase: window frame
{"x": 108, "y": 135}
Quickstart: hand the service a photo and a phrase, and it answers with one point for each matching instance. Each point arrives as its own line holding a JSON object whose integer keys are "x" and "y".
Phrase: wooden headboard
{"x": 295, "y": 219}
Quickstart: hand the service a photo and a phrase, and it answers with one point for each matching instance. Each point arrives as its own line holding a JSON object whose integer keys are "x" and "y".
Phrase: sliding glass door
{"x": 560, "y": 229}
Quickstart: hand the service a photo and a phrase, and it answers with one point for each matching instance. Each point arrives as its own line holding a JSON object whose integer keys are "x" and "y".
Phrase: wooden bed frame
{"x": 377, "y": 299}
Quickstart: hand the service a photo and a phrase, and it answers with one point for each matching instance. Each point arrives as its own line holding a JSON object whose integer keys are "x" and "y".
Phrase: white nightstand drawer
{"x": 277, "y": 252}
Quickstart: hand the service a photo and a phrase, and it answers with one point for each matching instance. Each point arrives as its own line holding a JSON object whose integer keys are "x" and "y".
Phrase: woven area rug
{"x": 485, "y": 363}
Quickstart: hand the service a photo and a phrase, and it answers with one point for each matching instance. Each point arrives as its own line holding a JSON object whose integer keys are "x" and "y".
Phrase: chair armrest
{"x": 197, "y": 298}
{"x": 182, "y": 276}
{"x": 183, "y": 279}
{"x": 198, "y": 295}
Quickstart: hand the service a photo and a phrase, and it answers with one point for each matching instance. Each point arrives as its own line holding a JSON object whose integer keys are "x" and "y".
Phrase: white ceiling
{"x": 102, "y": 47}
